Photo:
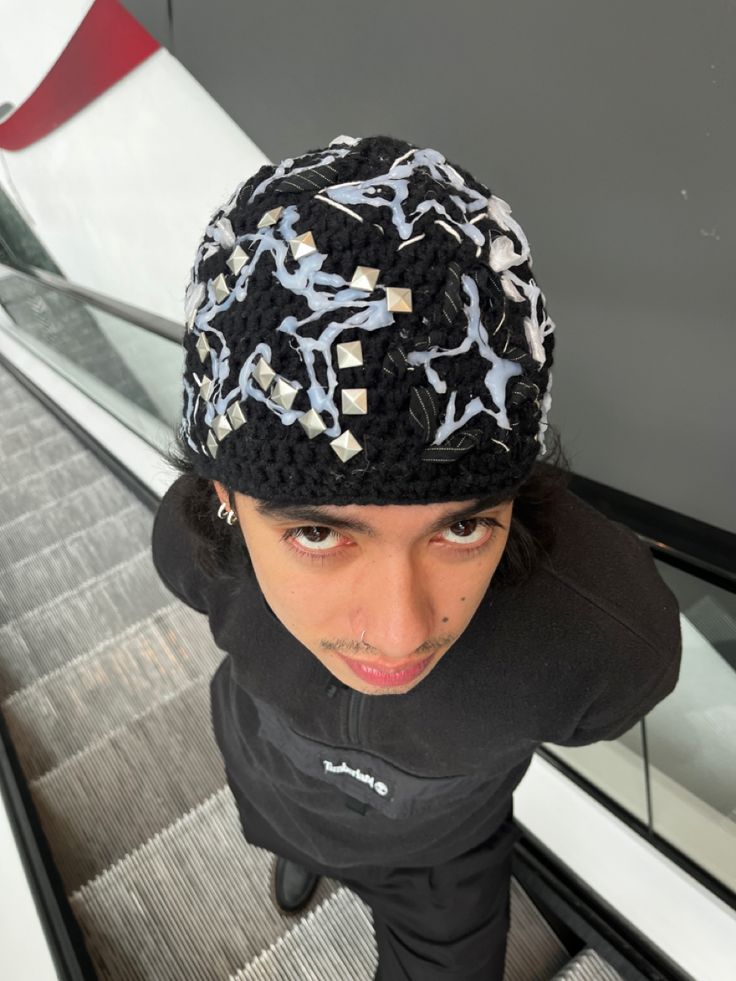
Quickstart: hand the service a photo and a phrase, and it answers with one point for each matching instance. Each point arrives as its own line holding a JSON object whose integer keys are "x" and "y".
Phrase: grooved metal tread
{"x": 48, "y": 487}
{"x": 334, "y": 939}
{"x": 42, "y": 576}
{"x": 24, "y": 429}
{"x": 104, "y": 687}
{"x": 112, "y": 795}
{"x": 588, "y": 965}
{"x": 119, "y": 680}
{"x": 25, "y": 535}
{"x": 191, "y": 902}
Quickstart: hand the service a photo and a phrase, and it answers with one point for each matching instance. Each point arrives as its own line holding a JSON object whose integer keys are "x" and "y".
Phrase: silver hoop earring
{"x": 231, "y": 516}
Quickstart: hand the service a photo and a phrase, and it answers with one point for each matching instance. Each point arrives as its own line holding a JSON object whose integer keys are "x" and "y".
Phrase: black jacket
{"x": 578, "y": 653}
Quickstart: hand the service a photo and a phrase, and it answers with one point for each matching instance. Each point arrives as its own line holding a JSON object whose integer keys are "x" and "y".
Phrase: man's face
{"x": 410, "y": 576}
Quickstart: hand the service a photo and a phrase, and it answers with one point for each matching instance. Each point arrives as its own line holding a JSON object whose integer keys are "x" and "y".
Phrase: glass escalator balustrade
{"x": 131, "y": 372}
{"x": 690, "y": 738}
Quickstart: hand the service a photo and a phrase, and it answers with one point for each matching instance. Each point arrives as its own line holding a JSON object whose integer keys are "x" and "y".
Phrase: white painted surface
{"x": 24, "y": 952}
{"x": 33, "y": 35}
{"x": 673, "y": 911}
{"x": 121, "y": 193}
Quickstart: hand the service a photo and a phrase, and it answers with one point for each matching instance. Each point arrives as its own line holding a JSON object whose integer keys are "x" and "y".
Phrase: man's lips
{"x": 388, "y": 668}
{"x": 389, "y": 679}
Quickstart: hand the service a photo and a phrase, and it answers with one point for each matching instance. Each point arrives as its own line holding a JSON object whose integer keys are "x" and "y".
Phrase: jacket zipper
{"x": 355, "y": 707}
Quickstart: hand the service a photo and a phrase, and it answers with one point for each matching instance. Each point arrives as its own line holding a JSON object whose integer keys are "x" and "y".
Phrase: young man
{"x": 366, "y": 389}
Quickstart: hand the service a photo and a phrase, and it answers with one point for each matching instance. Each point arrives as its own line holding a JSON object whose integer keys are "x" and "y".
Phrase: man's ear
{"x": 226, "y": 498}
{"x": 222, "y": 494}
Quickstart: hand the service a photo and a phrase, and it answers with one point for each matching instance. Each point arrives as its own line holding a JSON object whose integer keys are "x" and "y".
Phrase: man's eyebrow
{"x": 309, "y": 514}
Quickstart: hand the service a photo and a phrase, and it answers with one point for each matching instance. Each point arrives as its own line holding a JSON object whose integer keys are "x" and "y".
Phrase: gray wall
{"x": 609, "y": 129}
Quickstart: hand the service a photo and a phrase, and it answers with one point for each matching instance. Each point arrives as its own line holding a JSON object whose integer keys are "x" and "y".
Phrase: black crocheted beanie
{"x": 363, "y": 327}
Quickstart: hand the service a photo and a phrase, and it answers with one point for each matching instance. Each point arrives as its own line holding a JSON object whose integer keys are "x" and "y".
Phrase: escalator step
{"x": 588, "y": 966}
{"x": 114, "y": 795}
{"x": 68, "y": 709}
{"x": 53, "y": 485}
{"x": 193, "y": 902}
{"x": 34, "y": 460}
{"x": 23, "y": 428}
{"x": 40, "y": 578}
{"x": 17, "y": 412}
{"x": 64, "y": 514}
{"x": 16, "y": 398}
{"x": 533, "y": 949}
{"x": 334, "y": 940}
{"x": 78, "y": 621}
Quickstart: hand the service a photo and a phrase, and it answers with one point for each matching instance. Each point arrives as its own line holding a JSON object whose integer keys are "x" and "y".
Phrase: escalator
{"x": 117, "y": 782}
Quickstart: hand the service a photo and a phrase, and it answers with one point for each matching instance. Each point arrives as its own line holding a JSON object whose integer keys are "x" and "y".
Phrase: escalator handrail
{"x": 696, "y": 547}
{"x": 152, "y": 322}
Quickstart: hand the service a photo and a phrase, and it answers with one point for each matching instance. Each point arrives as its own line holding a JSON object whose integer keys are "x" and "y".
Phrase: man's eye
{"x": 477, "y": 530}
{"x": 312, "y": 538}
{"x": 320, "y": 539}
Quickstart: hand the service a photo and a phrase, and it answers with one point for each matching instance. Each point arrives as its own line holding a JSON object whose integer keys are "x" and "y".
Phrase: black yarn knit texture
{"x": 270, "y": 456}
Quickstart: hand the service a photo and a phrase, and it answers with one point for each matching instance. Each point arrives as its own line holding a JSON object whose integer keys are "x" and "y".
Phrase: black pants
{"x": 445, "y": 922}
{"x": 448, "y": 922}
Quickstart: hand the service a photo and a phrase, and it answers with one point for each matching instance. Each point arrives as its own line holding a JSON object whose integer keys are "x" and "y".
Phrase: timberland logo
{"x": 377, "y": 785}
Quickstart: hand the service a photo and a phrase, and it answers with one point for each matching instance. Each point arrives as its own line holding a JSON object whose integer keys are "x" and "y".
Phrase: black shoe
{"x": 292, "y": 885}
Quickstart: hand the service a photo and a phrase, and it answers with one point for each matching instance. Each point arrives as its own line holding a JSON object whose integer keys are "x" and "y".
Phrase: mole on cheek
{"x": 462, "y": 599}
{"x": 445, "y": 619}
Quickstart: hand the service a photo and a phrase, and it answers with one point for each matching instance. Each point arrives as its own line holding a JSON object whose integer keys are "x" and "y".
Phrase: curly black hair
{"x": 221, "y": 549}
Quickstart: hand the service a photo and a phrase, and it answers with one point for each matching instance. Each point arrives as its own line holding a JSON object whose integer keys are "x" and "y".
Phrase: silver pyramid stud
{"x": 365, "y": 278}
{"x": 238, "y": 258}
{"x": 205, "y": 387}
{"x": 264, "y": 374}
{"x": 220, "y": 288}
{"x": 221, "y": 426}
{"x": 350, "y": 355}
{"x": 302, "y": 245}
{"x": 270, "y": 217}
{"x": 203, "y": 347}
{"x": 236, "y": 415}
{"x": 398, "y": 300}
{"x": 312, "y": 423}
{"x": 212, "y": 444}
{"x": 283, "y": 393}
{"x": 345, "y": 445}
{"x": 354, "y": 401}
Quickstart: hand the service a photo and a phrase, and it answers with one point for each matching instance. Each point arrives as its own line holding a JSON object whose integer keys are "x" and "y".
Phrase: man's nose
{"x": 396, "y": 608}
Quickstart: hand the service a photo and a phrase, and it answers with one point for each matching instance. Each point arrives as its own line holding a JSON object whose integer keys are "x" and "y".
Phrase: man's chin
{"x": 365, "y": 688}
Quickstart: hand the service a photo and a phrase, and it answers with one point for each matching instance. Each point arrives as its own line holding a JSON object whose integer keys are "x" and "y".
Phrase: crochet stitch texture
{"x": 455, "y": 390}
